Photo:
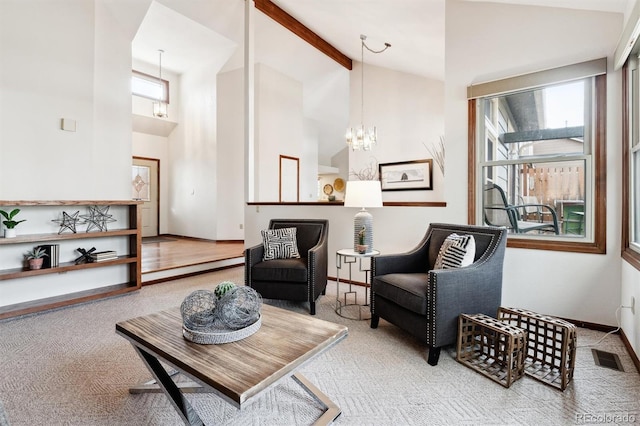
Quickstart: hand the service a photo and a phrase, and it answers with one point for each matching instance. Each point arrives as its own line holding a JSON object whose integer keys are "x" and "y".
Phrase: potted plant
{"x": 10, "y": 232}
{"x": 35, "y": 257}
{"x": 361, "y": 247}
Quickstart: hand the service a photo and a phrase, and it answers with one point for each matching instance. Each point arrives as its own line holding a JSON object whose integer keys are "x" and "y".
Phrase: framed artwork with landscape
{"x": 407, "y": 175}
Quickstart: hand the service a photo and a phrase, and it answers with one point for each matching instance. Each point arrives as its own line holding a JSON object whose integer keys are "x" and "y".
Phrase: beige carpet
{"x": 68, "y": 367}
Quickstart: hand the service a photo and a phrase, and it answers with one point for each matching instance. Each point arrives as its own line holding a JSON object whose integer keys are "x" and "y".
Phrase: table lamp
{"x": 363, "y": 194}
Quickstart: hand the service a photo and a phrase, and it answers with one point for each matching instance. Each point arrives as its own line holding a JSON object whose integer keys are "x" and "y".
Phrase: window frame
{"x": 628, "y": 253}
{"x": 148, "y": 77}
{"x": 596, "y": 245}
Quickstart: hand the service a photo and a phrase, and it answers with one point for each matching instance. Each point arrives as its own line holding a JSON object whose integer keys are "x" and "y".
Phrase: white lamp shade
{"x": 363, "y": 193}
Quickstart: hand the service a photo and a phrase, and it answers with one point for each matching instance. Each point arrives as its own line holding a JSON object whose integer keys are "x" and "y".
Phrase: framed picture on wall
{"x": 407, "y": 175}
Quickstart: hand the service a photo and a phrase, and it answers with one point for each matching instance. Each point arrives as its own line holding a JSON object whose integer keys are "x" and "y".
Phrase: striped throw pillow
{"x": 456, "y": 251}
{"x": 280, "y": 244}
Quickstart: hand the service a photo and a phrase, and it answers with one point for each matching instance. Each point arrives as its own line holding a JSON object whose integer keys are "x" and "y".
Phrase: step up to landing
{"x": 178, "y": 271}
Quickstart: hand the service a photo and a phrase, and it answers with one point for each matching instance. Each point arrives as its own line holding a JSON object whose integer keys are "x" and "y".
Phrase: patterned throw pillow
{"x": 280, "y": 244}
{"x": 456, "y": 251}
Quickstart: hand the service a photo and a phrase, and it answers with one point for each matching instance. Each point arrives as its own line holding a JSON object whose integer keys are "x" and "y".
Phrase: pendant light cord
{"x": 362, "y": 39}
{"x": 161, "y": 98}
{"x": 362, "y": 46}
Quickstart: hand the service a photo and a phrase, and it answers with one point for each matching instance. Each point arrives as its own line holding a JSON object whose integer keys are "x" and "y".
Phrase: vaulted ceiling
{"x": 414, "y": 28}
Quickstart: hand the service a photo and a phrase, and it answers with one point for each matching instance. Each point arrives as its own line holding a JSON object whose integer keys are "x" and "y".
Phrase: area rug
{"x": 3, "y": 417}
{"x": 68, "y": 367}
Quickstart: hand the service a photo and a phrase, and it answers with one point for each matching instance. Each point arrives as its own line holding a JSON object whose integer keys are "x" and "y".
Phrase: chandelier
{"x": 160, "y": 106}
{"x": 363, "y": 138}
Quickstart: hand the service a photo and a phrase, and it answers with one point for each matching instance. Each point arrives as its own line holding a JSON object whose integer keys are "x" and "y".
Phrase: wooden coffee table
{"x": 239, "y": 371}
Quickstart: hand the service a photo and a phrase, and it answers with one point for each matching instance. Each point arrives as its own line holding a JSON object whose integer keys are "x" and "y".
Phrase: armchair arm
{"x": 252, "y": 255}
{"x": 317, "y": 258}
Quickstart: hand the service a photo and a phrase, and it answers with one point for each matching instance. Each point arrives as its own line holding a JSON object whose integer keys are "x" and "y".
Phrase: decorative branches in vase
{"x": 437, "y": 152}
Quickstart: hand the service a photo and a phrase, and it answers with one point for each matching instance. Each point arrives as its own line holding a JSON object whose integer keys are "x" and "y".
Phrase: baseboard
{"x": 607, "y": 329}
{"x": 591, "y": 325}
{"x": 199, "y": 239}
{"x": 630, "y": 350}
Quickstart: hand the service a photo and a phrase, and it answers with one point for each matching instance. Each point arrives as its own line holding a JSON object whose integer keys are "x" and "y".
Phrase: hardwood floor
{"x": 169, "y": 253}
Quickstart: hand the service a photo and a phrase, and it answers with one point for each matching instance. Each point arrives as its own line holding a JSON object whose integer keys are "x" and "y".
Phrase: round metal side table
{"x": 347, "y": 304}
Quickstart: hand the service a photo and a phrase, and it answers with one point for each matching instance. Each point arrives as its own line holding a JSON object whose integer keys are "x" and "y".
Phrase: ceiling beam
{"x": 292, "y": 24}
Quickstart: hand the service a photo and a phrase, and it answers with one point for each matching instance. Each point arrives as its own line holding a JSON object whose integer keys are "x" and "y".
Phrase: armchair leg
{"x": 312, "y": 308}
{"x": 434, "y": 356}
{"x": 374, "y": 320}
{"x": 324, "y": 292}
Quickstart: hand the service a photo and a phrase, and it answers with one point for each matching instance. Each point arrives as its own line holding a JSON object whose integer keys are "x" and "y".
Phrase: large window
{"x": 631, "y": 163}
{"x": 538, "y": 148}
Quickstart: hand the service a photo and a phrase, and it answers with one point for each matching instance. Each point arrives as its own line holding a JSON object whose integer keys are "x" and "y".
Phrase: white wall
{"x": 60, "y": 60}
{"x": 326, "y": 100}
{"x": 408, "y": 112}
{"x": 486, "y": 41}
{"x": 631, "y": 320}
{"x": 279, "y": 128}
{"x": 193, "y": 157}
{"x": 65, "y": 59}
{"x": 231, "y": 174}
{"x": 311, "y": 130}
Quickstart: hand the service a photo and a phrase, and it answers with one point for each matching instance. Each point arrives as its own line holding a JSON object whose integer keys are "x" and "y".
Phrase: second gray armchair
{"x": 408, "y": 292}
{"x": 300, "y": 279}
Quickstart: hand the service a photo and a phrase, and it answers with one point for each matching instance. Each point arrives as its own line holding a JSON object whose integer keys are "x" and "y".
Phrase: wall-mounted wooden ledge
{"x": 19, "y": 203}
{"x": 341, "y": 203}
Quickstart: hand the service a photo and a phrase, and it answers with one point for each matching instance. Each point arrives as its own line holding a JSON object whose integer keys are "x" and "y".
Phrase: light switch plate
{"x": 68, "y": 124}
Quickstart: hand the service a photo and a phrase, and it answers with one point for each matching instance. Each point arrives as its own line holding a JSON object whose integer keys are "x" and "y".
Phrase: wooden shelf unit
{"x": 131, "y": 259}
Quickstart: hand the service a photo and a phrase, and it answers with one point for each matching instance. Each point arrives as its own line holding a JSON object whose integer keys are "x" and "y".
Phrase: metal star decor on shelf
{"x": 98, "y": 218}
{"x": 68, "y": 222}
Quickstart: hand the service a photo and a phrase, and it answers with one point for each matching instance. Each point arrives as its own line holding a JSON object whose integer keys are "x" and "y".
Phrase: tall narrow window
{"x": 631, "y": 163}
{"x": 539, "y": 154}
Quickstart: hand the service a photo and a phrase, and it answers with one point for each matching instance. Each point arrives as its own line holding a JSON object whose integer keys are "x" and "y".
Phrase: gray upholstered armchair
{"x": 303, "y": 279}
{"x": 426, "y": 303}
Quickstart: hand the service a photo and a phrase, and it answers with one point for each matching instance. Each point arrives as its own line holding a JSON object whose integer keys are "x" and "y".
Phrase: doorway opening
{"x": 145, "y": 186}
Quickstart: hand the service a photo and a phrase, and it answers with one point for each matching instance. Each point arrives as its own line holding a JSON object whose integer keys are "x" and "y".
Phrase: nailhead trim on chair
{"x": 431, "y": 337}
{"x": 247, "y": 274}
{"x": 311, "y": 270}
{"x": 372, "y": 309}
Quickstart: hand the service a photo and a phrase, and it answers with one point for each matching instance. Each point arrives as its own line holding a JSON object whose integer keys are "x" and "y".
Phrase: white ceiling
{"x": 601, "y": 5}
{"x": 414, "y": 28}
{"x": 186, "y": 43}
{"x": 196, "y": 32}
